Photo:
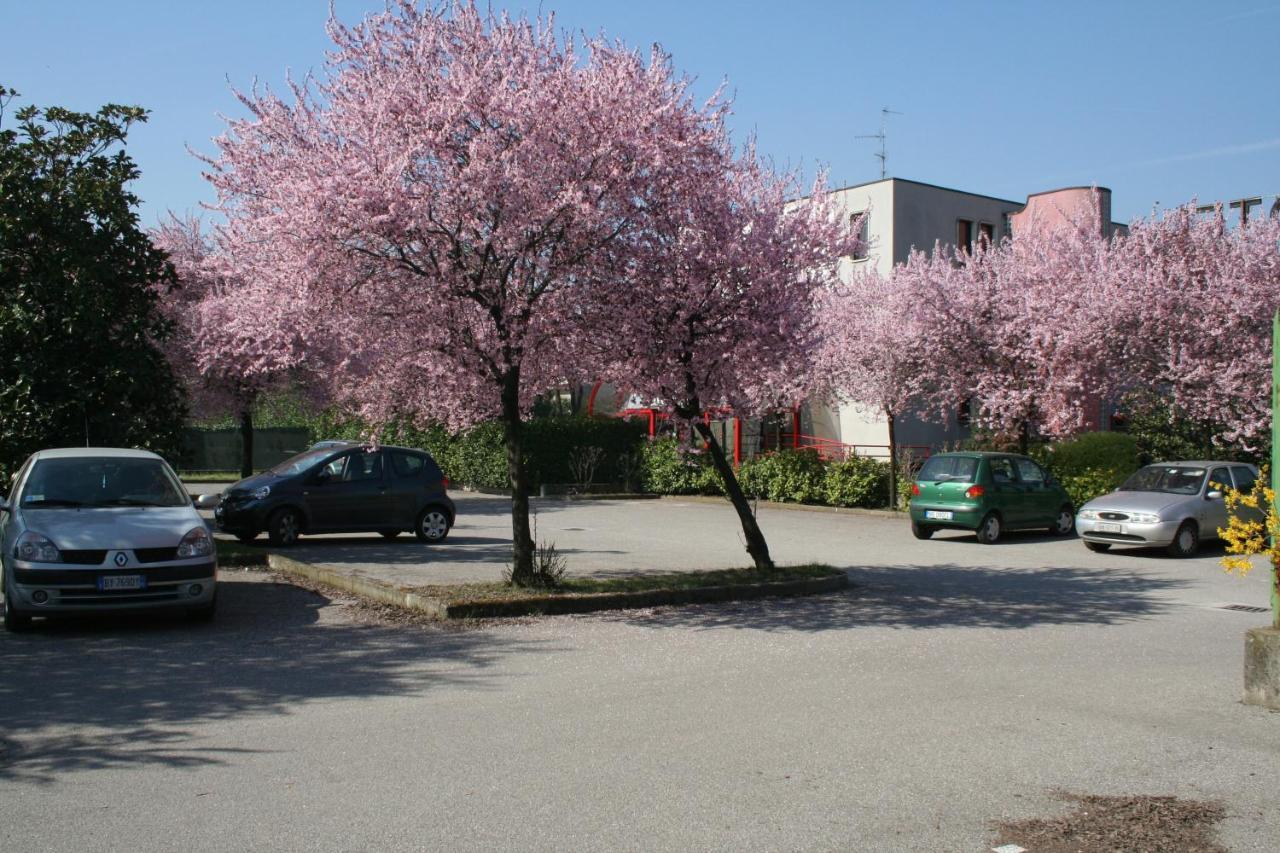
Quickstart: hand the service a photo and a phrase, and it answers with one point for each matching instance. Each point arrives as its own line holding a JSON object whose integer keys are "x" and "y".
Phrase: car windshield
{"x": 1173, "y": 479}
{"x": 944, "y": 468}
{"x": 302, "y": 462}
{"x": 93, "y": 481}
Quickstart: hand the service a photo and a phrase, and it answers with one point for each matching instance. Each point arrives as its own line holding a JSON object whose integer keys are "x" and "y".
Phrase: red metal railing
{"x": 830, "y": 449}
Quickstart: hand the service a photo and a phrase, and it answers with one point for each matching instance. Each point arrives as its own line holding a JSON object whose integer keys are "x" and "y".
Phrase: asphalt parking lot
{"x": 955, "y": 685}
{"x": 616, "y": 537}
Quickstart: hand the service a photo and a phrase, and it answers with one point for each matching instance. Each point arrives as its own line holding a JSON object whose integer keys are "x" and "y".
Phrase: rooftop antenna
{"x": 882, "y": 155}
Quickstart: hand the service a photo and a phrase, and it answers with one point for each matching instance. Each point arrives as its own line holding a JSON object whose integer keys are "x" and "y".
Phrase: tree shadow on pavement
{"x": 941, "y": 596}
{"x": 112, "y": 692}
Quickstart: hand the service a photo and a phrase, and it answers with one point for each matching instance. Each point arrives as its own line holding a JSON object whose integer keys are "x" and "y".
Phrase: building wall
{"x": 925, "y": 215}
{"x": 1057, "y": 208}
{"x": 876, "y": 200}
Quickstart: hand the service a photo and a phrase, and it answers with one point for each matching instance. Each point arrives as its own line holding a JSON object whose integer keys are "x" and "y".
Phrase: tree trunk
{"x": 756, "y": 546}
{"x": 893, "y": 461}
{"x": 1024, "y": 436}
{"x": 513, "y": 435}
{"x": 246, "y": 443}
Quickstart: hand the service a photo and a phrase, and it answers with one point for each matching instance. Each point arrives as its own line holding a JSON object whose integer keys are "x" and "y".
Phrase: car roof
{"x": 94, "y": 453}
{"x": 1198, "y": 463}
{"x": 347, "y": 445}
{"x": 983, "y": 454}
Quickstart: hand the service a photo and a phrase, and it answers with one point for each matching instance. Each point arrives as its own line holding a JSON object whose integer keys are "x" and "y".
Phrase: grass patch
{"x": 673, "y": 581}
{"x": 233, "y": 554}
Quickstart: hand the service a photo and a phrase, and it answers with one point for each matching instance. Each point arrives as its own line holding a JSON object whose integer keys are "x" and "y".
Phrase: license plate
{"x": 122, "y": 582}
{"x": 940, "y": 514}
{"x": 1107, "y": 527}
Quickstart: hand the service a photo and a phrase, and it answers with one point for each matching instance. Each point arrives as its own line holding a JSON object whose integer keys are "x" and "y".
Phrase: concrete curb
{"x": 549, "y": 605}
{"x": 410, "y": 598}
{"x": 373, "y": 590}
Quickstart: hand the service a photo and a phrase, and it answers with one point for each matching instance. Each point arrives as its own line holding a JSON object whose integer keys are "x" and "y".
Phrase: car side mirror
{"x": 4, "y": 505}
{"x": 322, "y": 476}
{"x": 1214, "y": 495}
{"x": 206, "y": 501}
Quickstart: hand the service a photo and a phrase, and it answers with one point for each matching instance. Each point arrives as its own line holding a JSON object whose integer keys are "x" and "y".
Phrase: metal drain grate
{"x": 1244, "y": 608}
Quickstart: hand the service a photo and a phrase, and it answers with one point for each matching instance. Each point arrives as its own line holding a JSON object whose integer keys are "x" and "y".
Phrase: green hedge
{"x": 1091, "y": 464}
{"x": 668, "y": 469}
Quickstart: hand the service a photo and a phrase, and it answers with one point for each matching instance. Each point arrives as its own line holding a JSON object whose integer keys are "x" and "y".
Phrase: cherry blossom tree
{"x": 870, "y": 353}
{"x": 223, "y": 353}
{"x": 1025, "y": 328}
{"x": 439, "y": 197}
{"x": 1202, "y": 297}
{"x": 718, "y": 308}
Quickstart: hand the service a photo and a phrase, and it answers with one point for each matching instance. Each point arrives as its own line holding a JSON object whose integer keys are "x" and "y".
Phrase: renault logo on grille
{"x": 121, "y": 558}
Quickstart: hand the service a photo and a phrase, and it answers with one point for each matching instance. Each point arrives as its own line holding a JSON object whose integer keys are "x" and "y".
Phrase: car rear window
{"x": 406, "y": 464}
{"x": 949, "y": 468}
{"x": 414, "y": 465}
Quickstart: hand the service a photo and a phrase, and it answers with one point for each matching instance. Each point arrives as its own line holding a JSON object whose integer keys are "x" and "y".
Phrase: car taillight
{"x": 445, "y": 483}
{"x": 915, "y": 490}
{"x": 975, "y": 492}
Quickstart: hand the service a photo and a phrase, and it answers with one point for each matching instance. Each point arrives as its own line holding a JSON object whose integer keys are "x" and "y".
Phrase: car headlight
{"x": 34, "y": 548}
{"x": 261, "y": 492}
{"x": 1144, "y": 518}
{"x": 197, "y": 543}
{"x": 1089, "y": 514}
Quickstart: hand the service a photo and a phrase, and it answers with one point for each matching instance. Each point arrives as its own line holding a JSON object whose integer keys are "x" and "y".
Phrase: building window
{"x": 986, "y": 233}
{"x": 861, "y": 253}
{"x": 964, "y": 234}
{"x": 1006, "y": 224}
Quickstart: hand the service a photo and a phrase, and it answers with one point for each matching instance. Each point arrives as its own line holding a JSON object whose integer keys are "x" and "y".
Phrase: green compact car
{"x": 987, "y": 493}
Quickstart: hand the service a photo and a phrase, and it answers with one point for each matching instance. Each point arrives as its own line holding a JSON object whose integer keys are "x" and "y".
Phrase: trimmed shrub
{"x": 551, "y": 442}
{"x": 1088, "y": 485}
{"x": 794, "y": 476}
{"x": 668, "y": 469}
{"x": 1091, "y": 464}
{"x": 857, "y": 481}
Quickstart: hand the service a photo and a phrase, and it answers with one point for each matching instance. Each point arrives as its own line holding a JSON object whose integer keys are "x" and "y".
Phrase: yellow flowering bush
{"x": 1253, "y": 527}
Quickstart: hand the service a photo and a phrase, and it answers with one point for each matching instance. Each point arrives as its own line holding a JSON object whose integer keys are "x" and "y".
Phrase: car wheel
{"x": 989, "y": 530}
{"x": 284, "y": 527}
{"x": 1064, "y": 523}
{"x": 247, "y": 537}
{"x": 433, "y": 525}
{"x": 389, "y": 534}
{"x": 1098, "y": 547}
{"x": 204, "y": 613}
{"x": 921, "y": 531}
{"x": 14, "y": 619}
{"x": 1186, "y": 541}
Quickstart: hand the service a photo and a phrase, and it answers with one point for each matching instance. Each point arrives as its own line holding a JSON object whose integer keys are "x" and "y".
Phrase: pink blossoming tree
{"x": 718, "y": 308}
{"x": 1201, "y": 300}
{"x": 224, "y": 350}
{"x": 871, "y": 344}
{"x": 1024, "y": 329}
{"x": 440, "y": 197}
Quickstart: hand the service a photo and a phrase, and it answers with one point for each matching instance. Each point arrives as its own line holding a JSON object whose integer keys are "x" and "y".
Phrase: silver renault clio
{"x": 1172, "y": 505}
{"x": 91, "y": 529}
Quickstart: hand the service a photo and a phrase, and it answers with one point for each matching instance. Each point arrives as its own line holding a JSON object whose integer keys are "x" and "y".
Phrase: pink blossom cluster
{"x": 1040, "y": 329}
{"x": 226, "y": 348}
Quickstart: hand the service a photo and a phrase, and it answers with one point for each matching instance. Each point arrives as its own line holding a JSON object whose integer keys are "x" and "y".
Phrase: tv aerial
{"x": 882, "y": 155}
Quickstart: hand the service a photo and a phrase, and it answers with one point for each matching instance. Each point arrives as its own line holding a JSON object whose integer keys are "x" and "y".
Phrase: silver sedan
{"x": 1172, "y": 505}
{"x": 98, "y": 528}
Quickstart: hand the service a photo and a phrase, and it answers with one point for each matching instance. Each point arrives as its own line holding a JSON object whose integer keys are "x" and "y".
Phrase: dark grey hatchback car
{"x": 350, "y": 488}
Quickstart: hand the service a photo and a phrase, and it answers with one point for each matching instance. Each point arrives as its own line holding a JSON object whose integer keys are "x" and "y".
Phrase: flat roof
{"x": 931, "y": 186}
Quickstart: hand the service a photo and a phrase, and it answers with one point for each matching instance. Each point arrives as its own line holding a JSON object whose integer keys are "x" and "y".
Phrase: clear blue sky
{"x": 1160, "y": 101}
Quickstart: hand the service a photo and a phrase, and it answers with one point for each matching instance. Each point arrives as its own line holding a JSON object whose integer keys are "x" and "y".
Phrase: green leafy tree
{"x": 80, "y": 282}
